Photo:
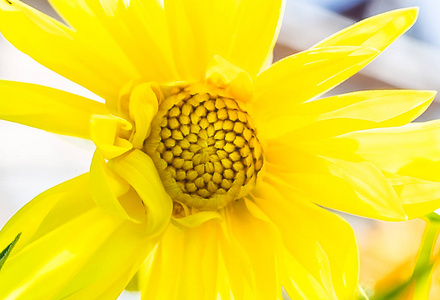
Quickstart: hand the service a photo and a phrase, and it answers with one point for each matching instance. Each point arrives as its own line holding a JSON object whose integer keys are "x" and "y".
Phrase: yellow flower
{"x": 211, "y": 165}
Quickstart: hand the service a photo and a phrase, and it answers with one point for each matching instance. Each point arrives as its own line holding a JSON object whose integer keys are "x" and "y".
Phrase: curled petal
{"x": 107, "y": 189}
{"x": 137, "y": 169}
{"x": 233, "y": 79}
{"x": 143, "y": 105}
{"x": 106, "y": 132}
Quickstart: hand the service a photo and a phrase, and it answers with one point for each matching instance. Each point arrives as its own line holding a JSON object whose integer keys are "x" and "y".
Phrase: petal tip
{"x": 429, "y": 95}
{"x": 432, "y": 92}
{"x": 409, "y": 14}
{"x": 413, "y": 11}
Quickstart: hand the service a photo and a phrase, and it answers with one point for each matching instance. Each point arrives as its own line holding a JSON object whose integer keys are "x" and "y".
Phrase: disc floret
{"x": 205, "y": 148}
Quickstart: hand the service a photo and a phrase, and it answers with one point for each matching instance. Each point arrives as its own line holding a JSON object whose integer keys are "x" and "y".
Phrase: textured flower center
{"x": 205, "y": 149}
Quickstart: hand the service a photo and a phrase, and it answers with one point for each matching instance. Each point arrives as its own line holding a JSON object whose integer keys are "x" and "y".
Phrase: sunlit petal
{"x": 300, "y": 77}
{"x": 46, "y": 108}
{"x": 95, "y": 63}
{"x": 138, "y": 170}
{"x": 232, "y": 29}
{"x": 378, "y": 31}
{"x": 333, "y": 265}
{"x": 348, "y": 112}
{"x": 70, "y": 236}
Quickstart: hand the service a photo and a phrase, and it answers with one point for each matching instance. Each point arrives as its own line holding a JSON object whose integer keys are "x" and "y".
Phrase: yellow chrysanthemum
{"x": 211, "y": 165}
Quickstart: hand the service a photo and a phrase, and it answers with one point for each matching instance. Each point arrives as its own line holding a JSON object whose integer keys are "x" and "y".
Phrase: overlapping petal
{"x": 344, "y": 113}
{"x": 316, "y": 163}
{"x": 229, "y": 28}
{"x": 308, "y": 234}
{"x": 91, "y": 60}
{"x": 419, "y": 197}
{"x": 137, "y": 169}
{"x": 105, "y": 133}
{"x": 70, "y": 236}
{"x": 136, "y": 27}
{"x": 300, "y": 77}
{"x": 248, "y": 232}
{"x": 389, "y": 148}
{"x": 411, "y": 166}
{"x": 143, "y": 105}
{"x": 292, "y": 81}
{"x": 112, "y": 194}
{"x": 187, "y": 264}
{"x": 47, "y": 108}
{"x": 215, "y": 258}
{"x": 302, "y": 285}
{"x": 353, "y": 186}
{"x": 253, "y": 39}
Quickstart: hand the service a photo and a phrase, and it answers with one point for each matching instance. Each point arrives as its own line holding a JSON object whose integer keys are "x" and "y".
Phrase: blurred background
{"x": 32, "y": 160}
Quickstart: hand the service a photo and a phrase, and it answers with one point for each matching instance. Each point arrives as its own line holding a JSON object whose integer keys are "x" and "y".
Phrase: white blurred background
{"x": 32, "y": 160}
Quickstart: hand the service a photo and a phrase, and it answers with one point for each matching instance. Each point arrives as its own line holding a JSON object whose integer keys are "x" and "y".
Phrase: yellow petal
{"x": 105, "y": 131}
{"x": 356, "y": 187}
{"x": 419, "y": 197}
{"x": 410, "y": 156}
{"x": 137, "y": 27}
{"x": 254, "y": 39}
{"x": 349, "y": 112}
{"x": 76, "y": 245}
{"x": 137, "y": 169}
{"x": 235, "y": 276}
{"x": 28, "y": 219}
{"x": 46, "y": 108}
{"x": 166, "y": 260}
{"x": 309, "y": 234}
{"x": 378, "y": 31}
{"x": 105, "y": 189}
{"x": 197, "y": 219}
{"x": 300, "y": 77}
{"x": 110, "y": 268}
{"x": 186, "y": 36}
{"x": 197, "y": 279}
{"x": 232, "y": 29}
{"x": 234, "y": 80}
{"x": 298, "y": 283}
{"x": 403, "y": 149}
{"x": 248, "y": 233}
{"x": 91, "y": 60}
{"x": 143, "y": 106}
{"x": 187, "y": 263}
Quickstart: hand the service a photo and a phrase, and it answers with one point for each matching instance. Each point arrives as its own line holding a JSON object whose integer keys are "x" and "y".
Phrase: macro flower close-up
{"x": 214, "y": 168}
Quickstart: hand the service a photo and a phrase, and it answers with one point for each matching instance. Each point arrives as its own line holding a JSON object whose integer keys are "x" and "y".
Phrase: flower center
{"x": 205, "y": 149}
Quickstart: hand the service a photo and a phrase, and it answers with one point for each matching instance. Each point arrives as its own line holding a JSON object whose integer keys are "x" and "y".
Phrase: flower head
{"x": 211, "y": 164}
